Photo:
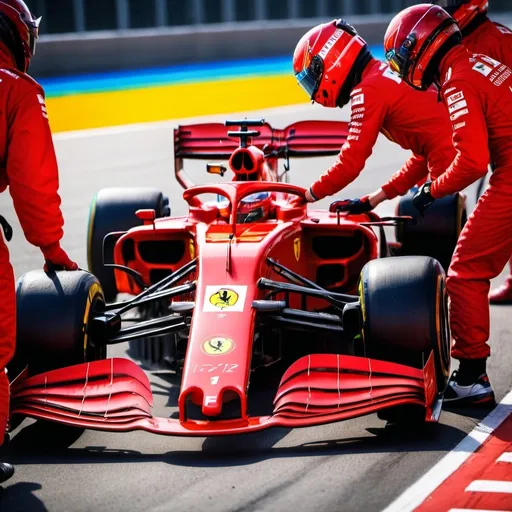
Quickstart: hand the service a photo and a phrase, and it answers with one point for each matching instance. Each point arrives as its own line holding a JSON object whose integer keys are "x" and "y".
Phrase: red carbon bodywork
{"x": 115, "y": 394}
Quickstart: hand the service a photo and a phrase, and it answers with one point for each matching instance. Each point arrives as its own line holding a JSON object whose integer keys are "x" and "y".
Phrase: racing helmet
{"x": 328, "y": 62}
{"x": 463, "y": 11}
{"x": 254, "y": 208}
{"x": 19, "y": 31}
{"x": 416, "y": 41}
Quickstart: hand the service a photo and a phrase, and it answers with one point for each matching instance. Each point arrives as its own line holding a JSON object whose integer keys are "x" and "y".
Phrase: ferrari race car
{"x": 249, "y": 280}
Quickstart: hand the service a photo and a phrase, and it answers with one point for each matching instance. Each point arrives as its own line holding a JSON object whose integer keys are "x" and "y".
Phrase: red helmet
{"x": 416, "y": 40}
{"x": 463, "y": 11}
{"x": 328, "y": 62}
{"x": 19, "y": 31}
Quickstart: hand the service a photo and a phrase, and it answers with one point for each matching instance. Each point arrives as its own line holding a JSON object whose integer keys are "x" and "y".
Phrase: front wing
{"x": 115, "y": 395}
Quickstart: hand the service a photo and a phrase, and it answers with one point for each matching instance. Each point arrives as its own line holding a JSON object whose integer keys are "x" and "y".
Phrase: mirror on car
{"x": 215, "y": 168}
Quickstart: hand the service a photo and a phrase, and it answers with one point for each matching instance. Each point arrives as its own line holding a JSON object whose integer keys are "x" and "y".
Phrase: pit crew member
{"x": 333, "y": 64}
{"x": 29, "y": 170}
{"x": 424, "y": 44}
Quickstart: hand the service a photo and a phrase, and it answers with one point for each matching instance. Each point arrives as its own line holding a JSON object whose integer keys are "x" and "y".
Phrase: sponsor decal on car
{"x": 482, "y": 68}
{"x": 218, "y": 346}
{"x": 296, "y": 248}
{"x": 215, "y": 368}
{"x": 224, "y": 298}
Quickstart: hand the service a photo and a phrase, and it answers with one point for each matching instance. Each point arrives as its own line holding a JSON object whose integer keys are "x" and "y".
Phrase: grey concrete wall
{"x": 109, "y": 51}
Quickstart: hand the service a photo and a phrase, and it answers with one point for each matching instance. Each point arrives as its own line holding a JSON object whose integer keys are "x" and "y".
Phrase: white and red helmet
{"x": 19, "y": 31}
{"x": 327, "y": 61}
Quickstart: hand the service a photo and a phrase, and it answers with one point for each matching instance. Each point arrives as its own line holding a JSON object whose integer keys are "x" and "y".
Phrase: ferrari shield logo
{"x": 296, "y": 248}
{"x": 192, "y": 249}
{"x": 218, "y": 346}
{"x": 224, "y": 298}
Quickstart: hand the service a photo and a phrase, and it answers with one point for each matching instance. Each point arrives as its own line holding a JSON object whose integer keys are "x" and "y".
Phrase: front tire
{"x": 53, "y": 313}
{"x": 405, "y": 318}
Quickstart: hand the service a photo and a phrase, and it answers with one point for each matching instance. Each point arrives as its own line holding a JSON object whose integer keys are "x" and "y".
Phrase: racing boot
{"x": 6, "y": 471}
{"x": 503, "y": 294}
{"x": 469, "y": 385}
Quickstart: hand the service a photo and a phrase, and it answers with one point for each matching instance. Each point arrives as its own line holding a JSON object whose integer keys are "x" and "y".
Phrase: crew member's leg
{"x": 7, "y": 343}
{"x": 483, "y": 249}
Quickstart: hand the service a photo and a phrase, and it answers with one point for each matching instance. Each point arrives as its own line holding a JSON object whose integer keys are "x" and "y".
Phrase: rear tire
{"x": 113, "y": 209}
{"x": 436, "y": 234}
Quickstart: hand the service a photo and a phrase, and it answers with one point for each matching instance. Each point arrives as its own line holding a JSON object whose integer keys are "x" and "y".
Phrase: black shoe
{"x": 479, "y": 392}
{"x": 6, "y": 471}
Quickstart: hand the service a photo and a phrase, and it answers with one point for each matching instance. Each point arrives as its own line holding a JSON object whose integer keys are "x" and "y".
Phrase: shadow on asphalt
{"x": 20, "y": 498}
{"x": 242, "y": 449}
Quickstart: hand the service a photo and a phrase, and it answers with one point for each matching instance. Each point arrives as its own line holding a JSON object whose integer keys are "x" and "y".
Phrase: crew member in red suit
{"x": 29, "y": 170}
{"x": 334, "y": 66}
{"x": 481, "y": 35}
{"x": 424, "y": 44}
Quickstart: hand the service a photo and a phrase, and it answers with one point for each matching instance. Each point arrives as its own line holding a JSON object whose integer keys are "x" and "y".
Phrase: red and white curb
{"x": 475, "y": 476}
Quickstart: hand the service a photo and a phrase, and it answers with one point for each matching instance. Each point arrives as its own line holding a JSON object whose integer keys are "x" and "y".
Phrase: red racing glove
{"x": 57, "y": 259}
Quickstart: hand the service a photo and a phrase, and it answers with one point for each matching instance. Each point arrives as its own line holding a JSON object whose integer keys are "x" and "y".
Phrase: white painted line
{"x": 490, "y": 486}
{"x": 474, "y": 510}
{"x": 505, "y": 457}
{"x": 418, "y": 492}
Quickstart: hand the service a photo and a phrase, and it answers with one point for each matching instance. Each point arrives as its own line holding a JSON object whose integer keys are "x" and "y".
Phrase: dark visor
{"x": 309, "y": 78}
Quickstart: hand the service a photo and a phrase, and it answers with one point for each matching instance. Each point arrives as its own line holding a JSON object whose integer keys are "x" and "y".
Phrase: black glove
{"x": 423, "y": 198}
{"x": 355, "y": 206}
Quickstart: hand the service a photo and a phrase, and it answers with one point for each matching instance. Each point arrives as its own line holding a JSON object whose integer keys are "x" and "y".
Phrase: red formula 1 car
{"x": 245, "y": 281}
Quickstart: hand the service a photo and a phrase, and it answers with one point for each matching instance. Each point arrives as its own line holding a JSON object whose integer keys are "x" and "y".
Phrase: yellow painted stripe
{"x": 99, "y": 110}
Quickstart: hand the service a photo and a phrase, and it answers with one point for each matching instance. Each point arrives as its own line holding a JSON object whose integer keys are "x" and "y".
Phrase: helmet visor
{"x": 309, "y": 78}
{"x": 395, "y": 61}
{"x": 33, "y": 31}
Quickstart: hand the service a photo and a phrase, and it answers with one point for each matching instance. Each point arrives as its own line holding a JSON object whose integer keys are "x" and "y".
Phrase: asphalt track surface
{"x": 354, "y": 465}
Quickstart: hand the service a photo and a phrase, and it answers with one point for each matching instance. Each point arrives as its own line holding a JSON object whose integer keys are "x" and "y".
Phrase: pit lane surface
{"x": 355, "y": 465}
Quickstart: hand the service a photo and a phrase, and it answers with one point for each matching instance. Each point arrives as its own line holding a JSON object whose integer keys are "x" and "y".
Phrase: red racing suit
{"x": 494, "y": 40}
{"x": 491, "y": 39}
{"x": 413, "y": 119}
{"x": 29, "y": 168}
{"x": 477, "y": 91}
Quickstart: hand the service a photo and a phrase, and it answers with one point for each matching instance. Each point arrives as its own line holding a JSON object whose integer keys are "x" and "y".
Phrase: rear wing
{"x": 301, "y": 139}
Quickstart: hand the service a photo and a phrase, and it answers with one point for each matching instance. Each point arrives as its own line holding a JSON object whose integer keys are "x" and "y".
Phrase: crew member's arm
{"x": 413, "y": 171}
{"x": 368, "y": 113}
{"x": 470, "y": 141}
{"x": 32, "y": 171}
